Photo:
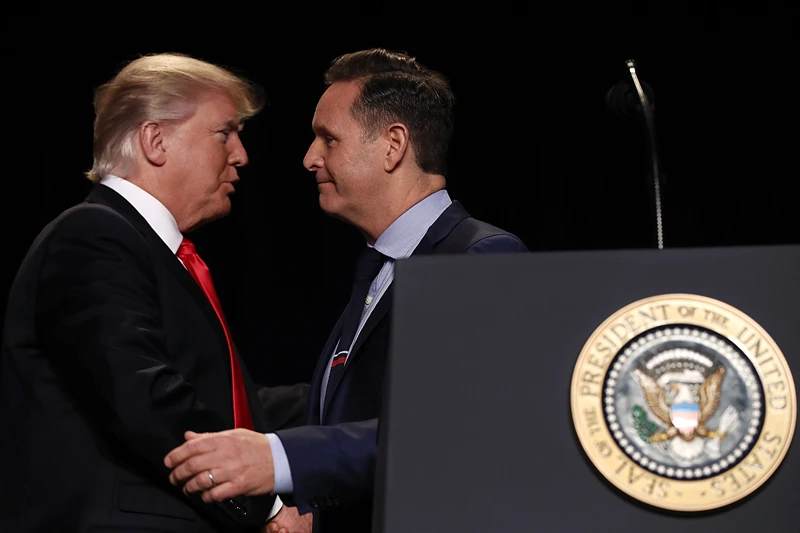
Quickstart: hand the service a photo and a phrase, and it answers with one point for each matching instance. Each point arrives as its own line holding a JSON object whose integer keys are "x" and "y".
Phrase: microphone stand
{"x": 649, "y": 120}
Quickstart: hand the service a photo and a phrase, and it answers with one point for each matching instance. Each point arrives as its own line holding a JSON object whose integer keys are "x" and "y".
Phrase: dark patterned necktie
{"x": 368, "y": 265}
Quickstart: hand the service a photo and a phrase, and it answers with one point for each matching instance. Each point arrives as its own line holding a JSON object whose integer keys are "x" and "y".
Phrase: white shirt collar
{"x": 154, "y": 212}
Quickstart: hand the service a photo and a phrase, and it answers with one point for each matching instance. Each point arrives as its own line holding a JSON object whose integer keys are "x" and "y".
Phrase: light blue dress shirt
{"x": 397, "y": 242}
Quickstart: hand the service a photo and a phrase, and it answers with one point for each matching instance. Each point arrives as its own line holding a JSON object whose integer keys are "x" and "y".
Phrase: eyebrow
{"x": 231, "y": 124}
{"x": 321, "y": 130}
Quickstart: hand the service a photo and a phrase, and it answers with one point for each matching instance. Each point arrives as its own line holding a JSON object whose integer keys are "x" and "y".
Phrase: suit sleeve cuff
{"x": 277, "y": 506}
{"x": 283, "y": 474}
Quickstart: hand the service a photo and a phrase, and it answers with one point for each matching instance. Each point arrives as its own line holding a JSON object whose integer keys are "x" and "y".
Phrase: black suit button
{"x": 314, "y": 503}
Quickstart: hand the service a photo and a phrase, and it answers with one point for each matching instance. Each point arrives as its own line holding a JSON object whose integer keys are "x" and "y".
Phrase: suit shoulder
{"x": 90, "y": 221}
{"x": 99, "y": 216}
{"x": 490, "y": 238}
{"x": 81, "y": 221}
{"x": 500, "y": 242}
{"x": 92, "y": 229}
{"x": 476, "y": 236}
{"x": 485, "y": 227}
{"x": 80, "y": 235}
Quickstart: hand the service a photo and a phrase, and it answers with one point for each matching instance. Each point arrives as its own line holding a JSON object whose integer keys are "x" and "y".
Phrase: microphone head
{"x": 623, "y": 99}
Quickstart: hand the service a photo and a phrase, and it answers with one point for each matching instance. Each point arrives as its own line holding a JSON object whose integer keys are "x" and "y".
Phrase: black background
{"x": 536, "y": 150}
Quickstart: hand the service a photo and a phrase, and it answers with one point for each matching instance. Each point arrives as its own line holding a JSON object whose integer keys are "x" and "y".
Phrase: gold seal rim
{"x": 582, "y": 430}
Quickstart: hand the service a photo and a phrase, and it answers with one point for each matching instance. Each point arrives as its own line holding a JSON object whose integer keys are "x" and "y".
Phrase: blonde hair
{"x": 157, "y": 87}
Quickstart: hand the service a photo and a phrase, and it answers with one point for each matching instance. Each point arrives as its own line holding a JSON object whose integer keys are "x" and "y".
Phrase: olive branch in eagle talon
{"x": 710, "y": 392}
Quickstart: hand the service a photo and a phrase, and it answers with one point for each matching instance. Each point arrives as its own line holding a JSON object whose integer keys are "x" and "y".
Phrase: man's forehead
{"x": 339, "y": 96}
{"x": 220, "y": 109}
{"x": 335, "y": 103}
{"x": 219, "y": 100}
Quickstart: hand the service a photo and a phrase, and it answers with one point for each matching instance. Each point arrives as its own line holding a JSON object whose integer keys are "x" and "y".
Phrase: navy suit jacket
{"x": 332, "y": 460}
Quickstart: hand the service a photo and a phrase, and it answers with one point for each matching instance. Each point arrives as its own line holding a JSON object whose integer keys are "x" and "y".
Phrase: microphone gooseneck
{"x": 639, "y": 103}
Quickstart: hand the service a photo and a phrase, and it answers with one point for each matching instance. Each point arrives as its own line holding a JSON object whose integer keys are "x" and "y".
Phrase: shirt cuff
{"x": 283, "y": 474}
{"x": 277, "y": 506}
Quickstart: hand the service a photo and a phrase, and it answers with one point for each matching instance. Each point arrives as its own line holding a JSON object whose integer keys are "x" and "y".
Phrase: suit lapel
{"x": 315, "y": 393}
{"x": 442, "y": 227}
{"x": 438, "y": 231}
{"x": 106, "y": 196}
{"x": 381, "y": 308}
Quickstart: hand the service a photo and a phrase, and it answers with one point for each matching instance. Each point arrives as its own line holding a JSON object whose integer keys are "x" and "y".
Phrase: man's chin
{"x": 326, "y": 207}
{"x": 224, "y": 211}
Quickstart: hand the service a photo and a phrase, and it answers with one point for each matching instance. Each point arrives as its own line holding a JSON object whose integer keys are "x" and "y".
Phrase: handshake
{"x": 237, "y": 462}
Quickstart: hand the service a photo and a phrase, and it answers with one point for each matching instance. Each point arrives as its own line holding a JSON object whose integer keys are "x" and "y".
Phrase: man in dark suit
{"x": 382, "y": 130}
{"x": 114, "y": 343}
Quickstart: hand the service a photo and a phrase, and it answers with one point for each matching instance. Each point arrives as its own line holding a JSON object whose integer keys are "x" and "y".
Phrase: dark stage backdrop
{"x": 536, "y": 149}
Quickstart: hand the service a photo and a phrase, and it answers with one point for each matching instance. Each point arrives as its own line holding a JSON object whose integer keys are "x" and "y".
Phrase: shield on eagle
{"x": 685, "y": 417}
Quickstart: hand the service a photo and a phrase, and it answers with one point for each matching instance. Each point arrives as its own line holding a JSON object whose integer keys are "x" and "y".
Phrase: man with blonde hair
{"x": 115, "y": 343}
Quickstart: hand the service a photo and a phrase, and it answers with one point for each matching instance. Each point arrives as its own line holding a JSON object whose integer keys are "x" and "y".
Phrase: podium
{"x": 624, "y": 391}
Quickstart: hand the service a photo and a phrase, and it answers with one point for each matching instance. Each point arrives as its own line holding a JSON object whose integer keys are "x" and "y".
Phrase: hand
{"x": 289, "y": 521}
{"x": 222, "y": 465}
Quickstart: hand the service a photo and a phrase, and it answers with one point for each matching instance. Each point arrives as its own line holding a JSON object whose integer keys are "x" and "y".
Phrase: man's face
{"x": 348, "y": 166}
{"x": 204, "y": 152}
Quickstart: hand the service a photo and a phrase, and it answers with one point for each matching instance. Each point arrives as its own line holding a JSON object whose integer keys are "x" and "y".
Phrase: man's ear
{"x": 397, "y": 135}
{"x": 152, "y": 142}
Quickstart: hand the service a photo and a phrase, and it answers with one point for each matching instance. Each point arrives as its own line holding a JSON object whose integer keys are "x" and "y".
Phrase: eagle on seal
{"x": 677, "y": 407}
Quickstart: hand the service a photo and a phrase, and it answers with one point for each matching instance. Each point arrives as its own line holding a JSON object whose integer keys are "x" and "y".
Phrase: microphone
{"x": 634, "y": 99}
{"x": 623, "y": 100}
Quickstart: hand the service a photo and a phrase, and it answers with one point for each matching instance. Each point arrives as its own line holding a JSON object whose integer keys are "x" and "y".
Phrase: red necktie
{"x": 199, "y": 271}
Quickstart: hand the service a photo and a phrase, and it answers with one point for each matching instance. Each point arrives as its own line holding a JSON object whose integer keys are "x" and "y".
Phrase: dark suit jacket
{"x": 333, "y": 464}
{"x": 110, "y": 352}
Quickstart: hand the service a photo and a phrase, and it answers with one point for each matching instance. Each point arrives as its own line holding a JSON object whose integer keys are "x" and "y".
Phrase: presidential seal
{"x": 683, "y": 402}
